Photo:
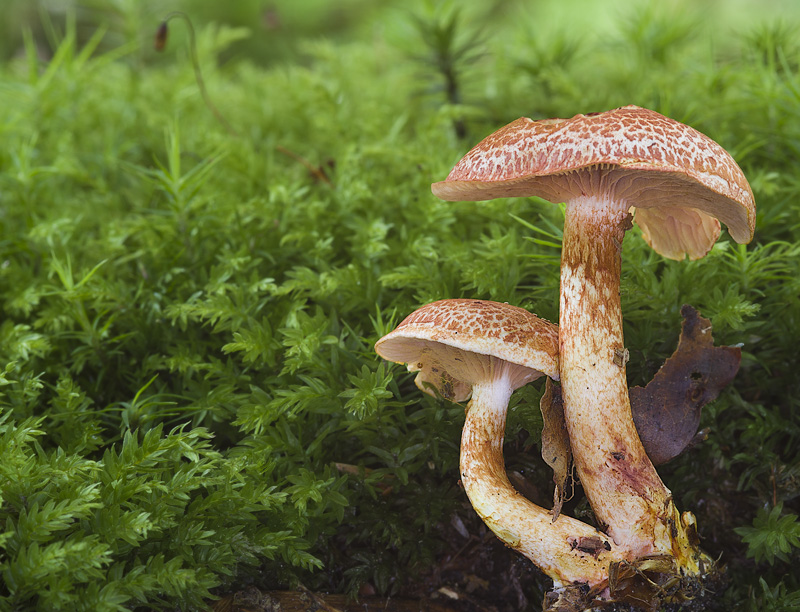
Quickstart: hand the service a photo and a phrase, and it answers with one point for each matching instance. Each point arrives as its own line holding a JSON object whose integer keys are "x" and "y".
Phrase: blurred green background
{"x": 277, "y": 26}
{"x": 221, "y": 286}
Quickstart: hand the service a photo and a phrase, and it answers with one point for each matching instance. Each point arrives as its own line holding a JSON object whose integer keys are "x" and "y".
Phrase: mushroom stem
{"x": 618, "y": 478}
{"x": 568, "y": 550}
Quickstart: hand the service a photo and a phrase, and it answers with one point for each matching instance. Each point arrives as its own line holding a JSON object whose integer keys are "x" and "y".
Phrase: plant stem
{"x": 198, "y": 75}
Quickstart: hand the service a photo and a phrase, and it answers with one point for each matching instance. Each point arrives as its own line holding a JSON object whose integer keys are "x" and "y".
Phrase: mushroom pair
{"x": 606, "y": 167}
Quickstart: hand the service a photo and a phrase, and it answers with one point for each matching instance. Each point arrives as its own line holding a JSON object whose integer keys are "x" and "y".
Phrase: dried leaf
{"x": 556, "y": 450}
{"x": 592, "y": 545}
{"x": 570, "y": 598}
{"x": 667, "y": 410}
{"x": 647, "y": 582}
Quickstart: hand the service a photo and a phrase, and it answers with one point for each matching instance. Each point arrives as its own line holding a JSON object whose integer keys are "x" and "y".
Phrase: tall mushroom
{"x": 486, "y": 350}
{"x": 603, "y": 166}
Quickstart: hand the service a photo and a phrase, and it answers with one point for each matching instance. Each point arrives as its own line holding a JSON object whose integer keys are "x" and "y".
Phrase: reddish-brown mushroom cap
{"x": 679, "y": 180}
{"x": 430, "y": 338}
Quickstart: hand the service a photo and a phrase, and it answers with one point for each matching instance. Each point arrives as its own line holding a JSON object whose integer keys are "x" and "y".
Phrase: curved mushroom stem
{"x": 621, "y": 483}
{"x": 568, "y": 550}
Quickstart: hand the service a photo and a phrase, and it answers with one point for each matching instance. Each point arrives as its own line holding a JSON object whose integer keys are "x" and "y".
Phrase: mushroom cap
{"x": 681, "y": 182}
{"x": 451, "y": 342}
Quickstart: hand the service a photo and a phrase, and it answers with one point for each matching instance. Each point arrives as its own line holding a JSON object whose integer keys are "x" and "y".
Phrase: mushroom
{"x": 485, "y": 350}
{"x": 604, "y": 166}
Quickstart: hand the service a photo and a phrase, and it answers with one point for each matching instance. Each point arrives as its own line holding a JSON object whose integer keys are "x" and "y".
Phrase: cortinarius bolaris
{"x": 606, "y": 166}
{"x": 486, "y": 350}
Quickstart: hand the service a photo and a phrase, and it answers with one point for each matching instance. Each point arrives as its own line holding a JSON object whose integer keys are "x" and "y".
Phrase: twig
{"x": 160, "y": 43}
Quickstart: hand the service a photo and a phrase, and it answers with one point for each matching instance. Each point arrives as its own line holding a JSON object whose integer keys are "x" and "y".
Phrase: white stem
{"x": 568, "y": 550}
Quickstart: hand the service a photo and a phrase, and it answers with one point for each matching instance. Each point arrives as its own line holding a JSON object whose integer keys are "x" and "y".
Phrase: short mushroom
{"x": 486, "y": 350}
{"x": 603, "y": 166}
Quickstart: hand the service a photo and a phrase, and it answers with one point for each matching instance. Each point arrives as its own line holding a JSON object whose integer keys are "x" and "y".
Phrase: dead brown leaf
{"x": 556, "y": 450}
{"x": 667, "y": 410}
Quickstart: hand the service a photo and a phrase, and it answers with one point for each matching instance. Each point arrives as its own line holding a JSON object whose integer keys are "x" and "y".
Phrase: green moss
{"x": 188, "y": 312}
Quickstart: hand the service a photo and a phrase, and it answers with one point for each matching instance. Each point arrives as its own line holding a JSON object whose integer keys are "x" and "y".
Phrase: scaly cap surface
{"x": 427, "y": 340}
{"x": 632, "y": 153}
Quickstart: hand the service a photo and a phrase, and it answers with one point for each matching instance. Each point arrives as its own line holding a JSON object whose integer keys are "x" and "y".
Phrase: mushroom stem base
{"x": 647, "y": 584}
